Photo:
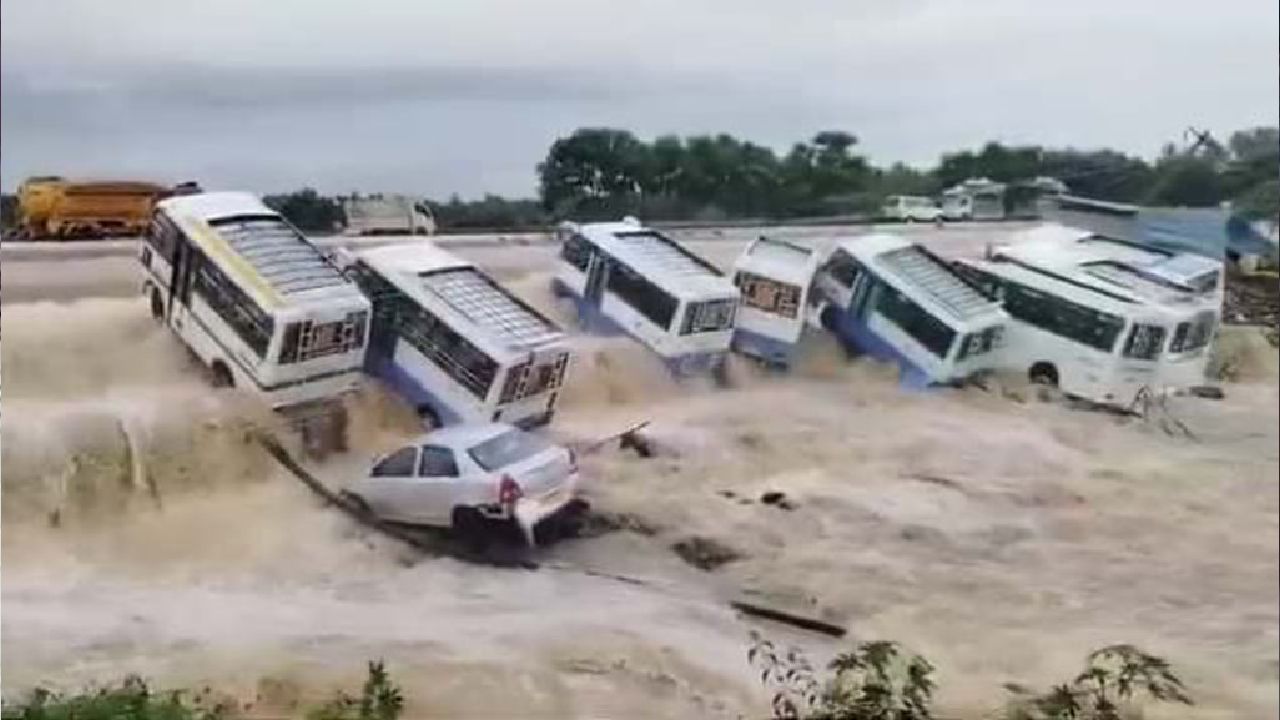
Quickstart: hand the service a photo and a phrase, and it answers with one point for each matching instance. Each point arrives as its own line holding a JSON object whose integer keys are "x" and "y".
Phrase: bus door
{"x": 180, "y": 279}
{"x": 862, "y": 295}
{"x": 597, "y": 277}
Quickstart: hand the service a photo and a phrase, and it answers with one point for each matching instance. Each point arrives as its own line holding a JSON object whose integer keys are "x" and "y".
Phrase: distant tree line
{"x": 606, "y": 173}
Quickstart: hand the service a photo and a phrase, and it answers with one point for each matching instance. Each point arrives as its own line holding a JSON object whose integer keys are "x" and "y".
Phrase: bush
{"x": 1114, "y": 679}
{"x": 133, "y": 699}
{"x": 879, "y": 681}
{"x": 380, "y": 699}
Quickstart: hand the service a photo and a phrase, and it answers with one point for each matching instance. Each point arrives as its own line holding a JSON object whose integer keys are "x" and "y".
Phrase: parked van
{"x": 909, "y": 208}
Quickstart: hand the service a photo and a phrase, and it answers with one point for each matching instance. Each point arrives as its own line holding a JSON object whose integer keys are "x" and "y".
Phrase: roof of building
{"x": 659, "y": 258}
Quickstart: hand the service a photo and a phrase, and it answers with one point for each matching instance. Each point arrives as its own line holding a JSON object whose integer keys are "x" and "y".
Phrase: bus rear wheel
{"x": 221, "y": 375}
{"x": 1043, "y": 373}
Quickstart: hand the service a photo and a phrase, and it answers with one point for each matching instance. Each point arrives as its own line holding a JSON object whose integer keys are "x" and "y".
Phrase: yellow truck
{"x": 53, "y": 208}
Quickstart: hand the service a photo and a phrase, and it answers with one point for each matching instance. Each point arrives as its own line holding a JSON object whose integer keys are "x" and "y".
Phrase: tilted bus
{"x": 258, "y": 304}
{"x": 774, "y": 278}
{"x": 453, "y": 342}
{"x": 1103, "y": 318}
{"x": 889, "y": 298}
{"x": 625, "y": 278}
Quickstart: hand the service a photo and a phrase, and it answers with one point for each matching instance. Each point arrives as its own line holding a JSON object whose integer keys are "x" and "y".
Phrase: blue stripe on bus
{"x": 414, "y": 392}
{"x": 407, "y": 386}
{"x": 854, "y": 333}
{"x": 762, "y": 346}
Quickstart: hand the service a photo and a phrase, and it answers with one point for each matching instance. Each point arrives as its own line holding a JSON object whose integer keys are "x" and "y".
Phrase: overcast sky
{"x": 442, "y": 96}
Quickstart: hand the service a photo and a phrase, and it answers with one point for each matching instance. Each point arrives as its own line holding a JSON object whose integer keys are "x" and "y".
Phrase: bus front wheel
{"x": 1043, "y": 373}
{"x": 429, "y": 417}
{"x": 157, "y": 305}
{"x": 829, "y": 318}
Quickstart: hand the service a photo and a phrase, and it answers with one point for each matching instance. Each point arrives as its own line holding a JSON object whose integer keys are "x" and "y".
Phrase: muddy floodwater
{"x": 999, "y": 535}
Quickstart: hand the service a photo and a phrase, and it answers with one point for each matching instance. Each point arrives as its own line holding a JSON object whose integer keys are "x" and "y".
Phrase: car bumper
{"x": 530, "y": 511}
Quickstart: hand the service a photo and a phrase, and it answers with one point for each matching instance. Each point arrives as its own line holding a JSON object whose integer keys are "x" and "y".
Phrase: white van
{"x": 910, "y": 208}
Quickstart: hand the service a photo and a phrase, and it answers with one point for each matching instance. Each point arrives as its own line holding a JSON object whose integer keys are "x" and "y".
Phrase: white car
{"x": 907, "y": 208}
{"x": 470, "y": 478}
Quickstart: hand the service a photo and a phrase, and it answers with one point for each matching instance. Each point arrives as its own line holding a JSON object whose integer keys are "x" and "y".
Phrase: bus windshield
{"x": 769, "y": 295}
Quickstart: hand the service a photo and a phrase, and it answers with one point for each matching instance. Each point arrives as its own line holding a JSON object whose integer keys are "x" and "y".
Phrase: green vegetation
{"x": 133, "y": 699}
{"x": 878, "y": 680}
{"x": 380, "y": 699}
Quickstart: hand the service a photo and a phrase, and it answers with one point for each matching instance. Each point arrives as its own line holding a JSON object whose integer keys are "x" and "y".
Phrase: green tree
{"x": 8, "y": 210}
{"x": 995, "y": 162}
{"x": 1098, "y": 174}
{"x": 1251, "y": 174}
{"x": 901, "y": 179}
{"x": 594, "y": 170}
{"x": 308, "y": 210}
{"x": 1185, "y": 180}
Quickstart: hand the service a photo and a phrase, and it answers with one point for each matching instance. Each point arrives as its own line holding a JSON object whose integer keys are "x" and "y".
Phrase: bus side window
{"x": 162, "y": 237}
{"x": 1144, "y": 342}
{"x": 1179, "y": 337}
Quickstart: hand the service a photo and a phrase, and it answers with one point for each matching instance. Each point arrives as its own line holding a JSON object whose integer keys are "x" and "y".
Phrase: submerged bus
{"x": 891, "y": 299}
{"x": 259, "y": 305}
{"x": 625, "y": 278}
{"x": 1103, "y": 318}
{"x": 774, "y": 279}
{"x": 455, "y": 344}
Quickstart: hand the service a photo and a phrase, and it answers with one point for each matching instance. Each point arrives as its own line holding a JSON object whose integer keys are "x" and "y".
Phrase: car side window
{"x": 397, "y": 464}
{"x": 437, "y": 462}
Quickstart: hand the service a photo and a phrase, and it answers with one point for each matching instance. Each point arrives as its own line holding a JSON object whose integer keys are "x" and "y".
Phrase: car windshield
{"x": 509, "y": 448}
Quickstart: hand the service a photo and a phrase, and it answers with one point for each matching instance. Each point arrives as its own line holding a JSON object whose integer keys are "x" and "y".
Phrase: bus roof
{"x": 661, "y": 259}
{"x": 258, "y": 246}
{"x": 427, "y": 273}
{"x": 911, "y": 267}
{"x": 1142, "y": 272}
{"x": 779, "y": 260}
{"x": 1108, "y": 300}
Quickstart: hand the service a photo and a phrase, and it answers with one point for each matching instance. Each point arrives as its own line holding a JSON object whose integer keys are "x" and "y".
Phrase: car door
{"x": 389, "y": 488}
{"x": 439, "y": 486}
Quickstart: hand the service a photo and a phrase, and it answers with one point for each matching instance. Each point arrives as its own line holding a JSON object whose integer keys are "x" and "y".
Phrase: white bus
{"x": 625, "y": 278}
{"x": 455, "y": 344}
{"x": 257, "y": 303}
{"x": 1102, "y": 318}
{"x": 774, "y": 278}
{"x": 889, "y": 298}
